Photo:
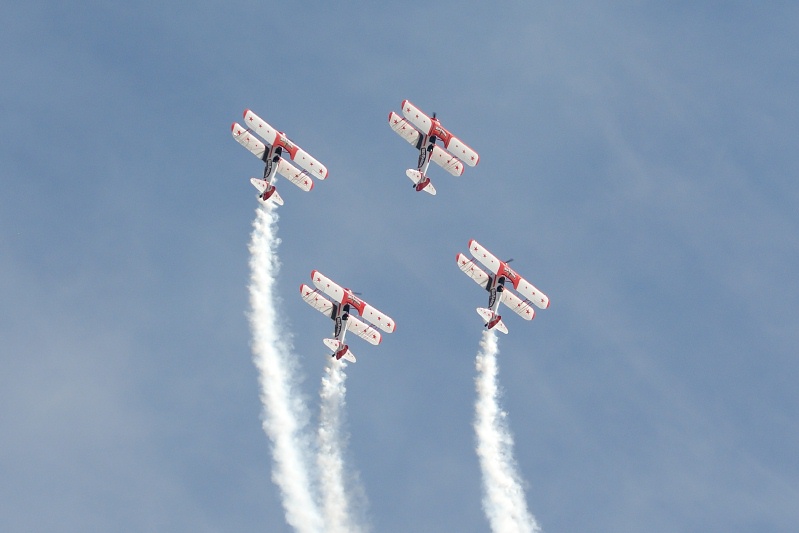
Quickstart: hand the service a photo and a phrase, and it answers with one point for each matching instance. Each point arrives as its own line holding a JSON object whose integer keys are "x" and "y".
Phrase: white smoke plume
{"x": 503, "y": 497}
{"x": 284, "y": 414}
{"x": 338, "y": 488}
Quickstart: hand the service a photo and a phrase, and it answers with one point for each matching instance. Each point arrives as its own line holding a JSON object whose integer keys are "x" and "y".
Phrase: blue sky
{"x": 638, "y": 162}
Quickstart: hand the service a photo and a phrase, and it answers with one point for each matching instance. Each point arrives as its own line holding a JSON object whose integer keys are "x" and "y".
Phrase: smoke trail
{"x": 284, "y": 414}
{"x": 503, "y": 497}
{"x": 336, "y": 497}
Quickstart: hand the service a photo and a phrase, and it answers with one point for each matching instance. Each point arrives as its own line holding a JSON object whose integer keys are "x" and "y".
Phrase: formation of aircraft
{"x": 338, "y": 303}
{"x": 272, "y": 150}
{"x": 422, "y": 132}
{"x": 494, "y": 281}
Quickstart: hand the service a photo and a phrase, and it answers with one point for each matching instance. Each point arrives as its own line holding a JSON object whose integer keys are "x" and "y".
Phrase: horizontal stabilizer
{"x": 488, "y": 316}
{"x": 336, "y": 346}
{"x": 261, "y": 186}
{"x": 418, "y": 178}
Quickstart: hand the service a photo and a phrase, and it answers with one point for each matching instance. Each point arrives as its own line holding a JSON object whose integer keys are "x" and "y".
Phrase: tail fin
{"x": 421, "y": 181}
{"x": 493, "y": 321}
{"x": 340, "y": 350}
{"x": 267, "y": 191}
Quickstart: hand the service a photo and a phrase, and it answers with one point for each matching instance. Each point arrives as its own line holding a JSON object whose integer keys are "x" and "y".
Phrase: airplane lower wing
{"x": 403, "y": 128}
{"x": 300, "y": 178}
{"x": 473, "y": 271}
{"x": 316, "y": 300}
{"x": 364, "y": 331}
{"x": 248, "y": 140}
{"x": 272, "y": 136}
{"x": 523, "y": 308}
{"x": 447, "y": 161}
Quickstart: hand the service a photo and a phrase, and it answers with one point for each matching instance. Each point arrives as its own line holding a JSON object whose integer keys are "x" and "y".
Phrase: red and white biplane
{"x": 422, "y": 132}
{"x": 494, "y": 282}
{"x": 339, "y": 308}
{"x": 272, "y": 153}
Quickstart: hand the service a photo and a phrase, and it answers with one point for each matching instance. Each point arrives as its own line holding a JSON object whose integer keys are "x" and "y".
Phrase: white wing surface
{"x": 529, "y": 291}
{"x": 259, "y": 126}
{"x": 484, "y": 256}
{"x": 416, "y": 117}
{"x": 300, "y": 178}
{"x": 261, "y": 186}
{"x": 447, "y": 161}
{"x": 459, "y": 149}
{"x": 403, "y": 128}
{"x": 473, "y": 271}
{"x": 248, "y": 140}
{"x": 364, "y": 331}
{"x": 523, "y": 308}
{"x": 316, "y": 300}
{"x": 314, "y": 167}
{"x": 327, "y": 286}
{"x": 378, "y": 318}
{"x": 416, "y": 176}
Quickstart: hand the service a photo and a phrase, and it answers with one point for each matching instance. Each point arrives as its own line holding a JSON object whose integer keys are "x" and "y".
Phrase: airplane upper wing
{"x": 484, "y": 256}
{"x": 378, "y": 318}
{"x": 473, "y": 271}
{"x": 525, "y": 288}
{"x": 403, "y": 128}
{"x": 447, "y": 161}
{"x": 416, "y": 117}
{"x": 459, "y": 148}
{"x": 364, "y": 331}
{"x": 259, "y": 126}
{"x": 328, "y": 286}
{"x": 529, "y": 291}
{"x": 523, "y": 308}
{"x": 316, "y": 300}
{"x": 272, "y": 136}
